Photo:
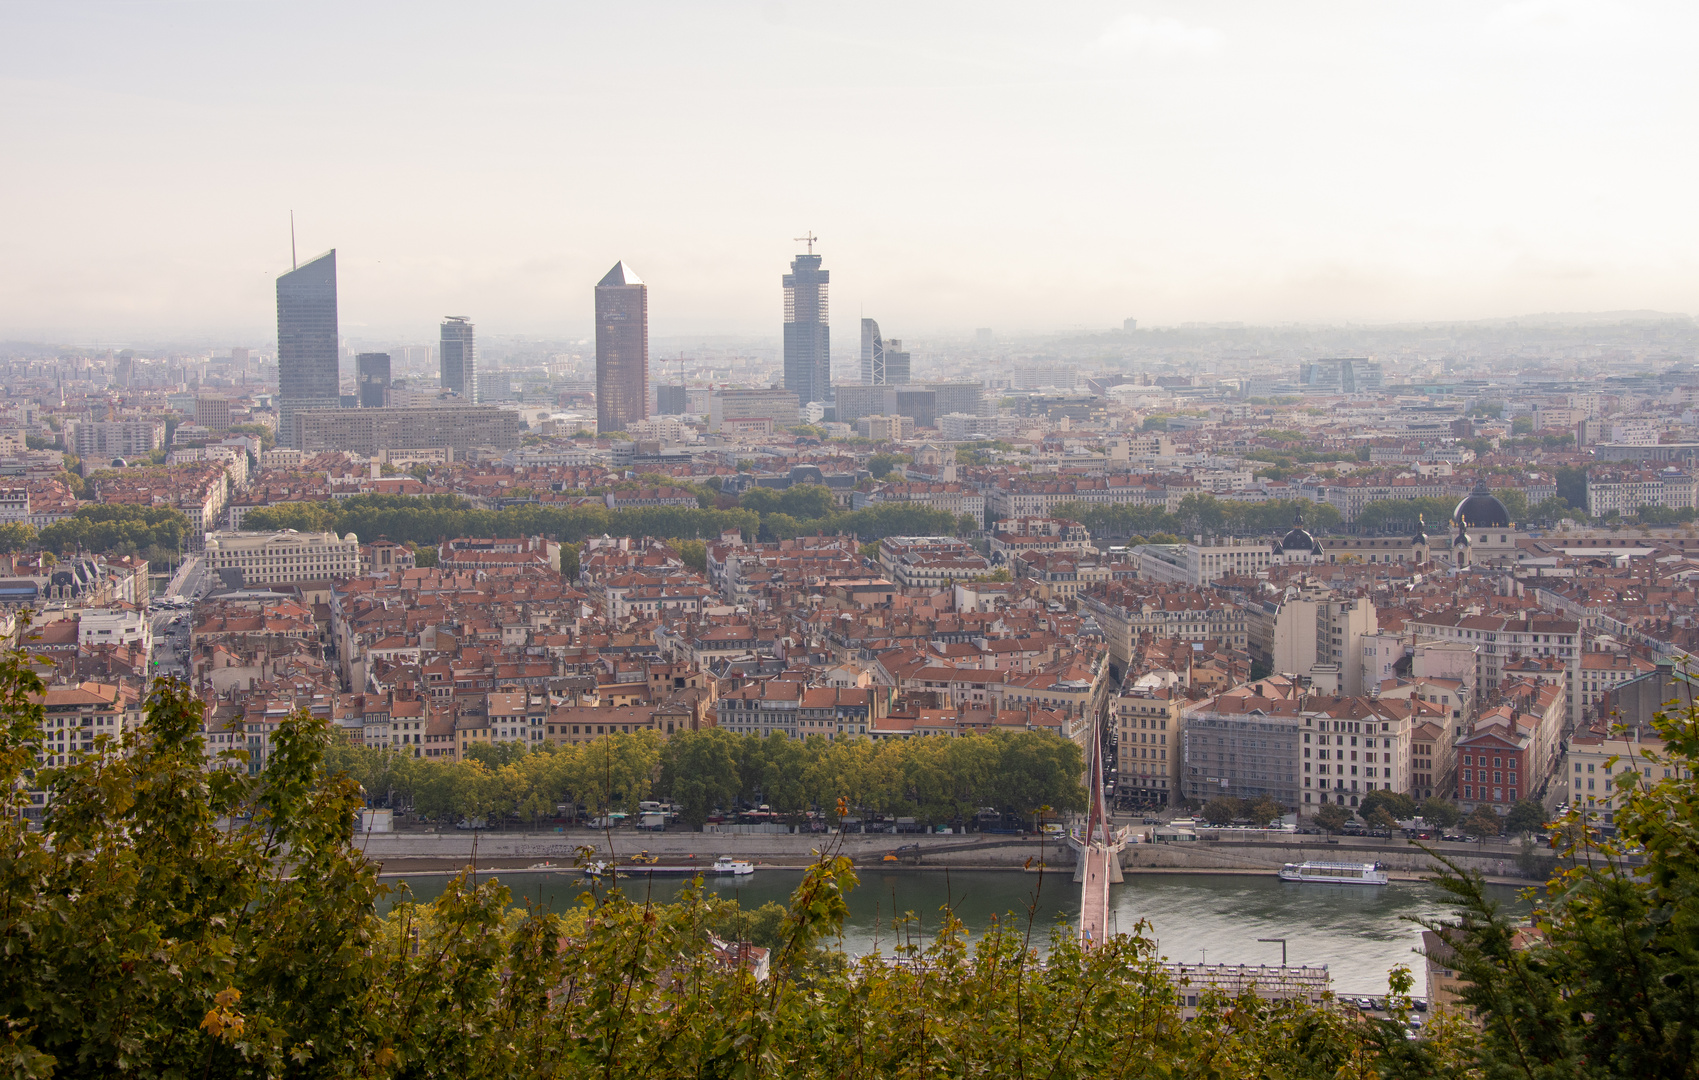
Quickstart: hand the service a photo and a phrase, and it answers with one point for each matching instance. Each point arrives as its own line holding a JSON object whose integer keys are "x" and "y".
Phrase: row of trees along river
{"x": 934, "y": 781}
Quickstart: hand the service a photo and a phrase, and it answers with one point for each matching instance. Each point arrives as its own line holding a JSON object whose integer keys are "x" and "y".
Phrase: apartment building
{"x": 1626, "y": 490}
{"x": 369, "y": 432}
{"x": 1494, "y": 640}
{"x": 1148, "y": 746}
{"x": 102, "y": 440}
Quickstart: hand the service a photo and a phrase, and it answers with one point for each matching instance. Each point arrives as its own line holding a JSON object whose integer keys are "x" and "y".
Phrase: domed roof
{"x": 1298, "y": 539}
{"x": 1421, "y": 536}
{"x": 1481, "y": 509}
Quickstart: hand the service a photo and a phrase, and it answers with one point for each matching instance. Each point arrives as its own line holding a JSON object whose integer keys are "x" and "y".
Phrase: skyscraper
{"x": 883, "y": 363}
{"x": 622, "y": 349}
{"x": 459, "y": 358}
{"x": 371, "y": 372}
{"x": 872, "y": 354}
{"x": 307, "y": 353}
{"x": 808, "y": 337}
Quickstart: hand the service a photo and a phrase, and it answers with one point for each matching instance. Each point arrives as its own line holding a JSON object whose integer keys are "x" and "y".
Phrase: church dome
{"x": 1481, "y": 509}
{"x": 1299, "y": 538}
{"x": 1421, "y": 536}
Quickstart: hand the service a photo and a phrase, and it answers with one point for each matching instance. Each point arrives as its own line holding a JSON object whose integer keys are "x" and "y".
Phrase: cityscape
{"x": 628, "y": 682}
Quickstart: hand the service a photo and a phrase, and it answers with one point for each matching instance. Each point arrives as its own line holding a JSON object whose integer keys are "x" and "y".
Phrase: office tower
{"x": 622, "y": 349}
{"x": 872, "y": 354}
{"x": 896, "y": 362}
{"x": 371, "y": 374}
{"x": 672, "y": 400}
{"x": 307, "y": 353}
{"x": 883, "y": 362}
{"x": 239, "y": 361}
{"x": 124, "y": 369}
{"x": 459, "y": 358}
{"x": 808, "y": 339}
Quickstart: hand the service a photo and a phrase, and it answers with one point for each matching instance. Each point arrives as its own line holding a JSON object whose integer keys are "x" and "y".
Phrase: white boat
{"x": 1334, "y": 873}
{"x": 725, "y": 864}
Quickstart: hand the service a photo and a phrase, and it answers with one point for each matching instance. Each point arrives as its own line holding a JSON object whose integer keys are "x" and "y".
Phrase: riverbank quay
{"x": 423, "y": 852}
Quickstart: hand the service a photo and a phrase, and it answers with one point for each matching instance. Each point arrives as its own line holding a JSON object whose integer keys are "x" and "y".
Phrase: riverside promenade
{"x": 415, "y": 851}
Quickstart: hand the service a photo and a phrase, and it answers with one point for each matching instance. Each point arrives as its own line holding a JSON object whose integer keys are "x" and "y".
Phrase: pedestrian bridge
{"x": 1097, "y": 855}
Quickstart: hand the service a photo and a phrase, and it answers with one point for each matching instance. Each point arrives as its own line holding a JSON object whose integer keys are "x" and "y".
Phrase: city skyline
{"x": 1329, "y": 164}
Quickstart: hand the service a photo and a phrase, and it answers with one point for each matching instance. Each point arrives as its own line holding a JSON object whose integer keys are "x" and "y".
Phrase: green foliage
{"x": 880, "y": 465}
{"x": 266, "y": 435}
{"x": 425, "y": 555}
{"x": 1515, "y": 502}
{"x": 1402, "y": 807}
{"x": 101, "y": 529}
{"x": 1526, "y": 816}
{"x": 1522, "y": 425}
{"x": 428, "y": 519}
{"x": 694, "y": 553}
{"x": 1572, "y": 484}
{"x": 1222, "y": 809}
{"x": 1483, "y": 822}
{"x": 1401, "y": 514}
{"x": 39, "y": 442}
{"x": 1608, "y": 989}
{"x": 1199, "y": 513}
{"x": 1332, "y": 817}
{"x": 15, "y": 536}
{"x": 1665, "y": 515}
{"x": 1441, "y": 812}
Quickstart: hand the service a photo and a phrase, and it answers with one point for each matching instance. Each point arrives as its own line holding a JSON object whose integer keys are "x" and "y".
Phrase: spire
{"x": 621, "y": 274}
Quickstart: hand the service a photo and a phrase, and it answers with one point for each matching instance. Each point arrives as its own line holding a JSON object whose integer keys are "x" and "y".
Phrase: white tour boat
{"x": 1334, "y": 873}
{"x": 725, "y": 864}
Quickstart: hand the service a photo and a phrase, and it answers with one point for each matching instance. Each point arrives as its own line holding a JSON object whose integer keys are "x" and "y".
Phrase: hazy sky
{"x": 1020, "y": 166}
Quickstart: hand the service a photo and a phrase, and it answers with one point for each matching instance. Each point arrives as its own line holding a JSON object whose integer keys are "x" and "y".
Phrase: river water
{"x": 1359, "y": 932}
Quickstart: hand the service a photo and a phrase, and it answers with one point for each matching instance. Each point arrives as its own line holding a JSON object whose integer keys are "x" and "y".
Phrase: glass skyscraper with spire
{"x": 308, "y": 348}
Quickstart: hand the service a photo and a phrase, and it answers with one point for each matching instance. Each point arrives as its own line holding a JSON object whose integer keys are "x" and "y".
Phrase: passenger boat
{"x": 725, "y": 864}
{"x": 1334, "y": 873}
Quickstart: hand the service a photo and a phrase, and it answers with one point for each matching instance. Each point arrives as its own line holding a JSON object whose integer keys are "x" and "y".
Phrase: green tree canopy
{"x": 101, "y": 529}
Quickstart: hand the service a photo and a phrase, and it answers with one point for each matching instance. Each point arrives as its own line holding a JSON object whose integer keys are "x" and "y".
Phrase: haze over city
{"x": 963, "y": 164}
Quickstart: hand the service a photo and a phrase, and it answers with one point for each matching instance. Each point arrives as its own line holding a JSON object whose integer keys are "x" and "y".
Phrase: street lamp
{"x": 1282, "y": 947}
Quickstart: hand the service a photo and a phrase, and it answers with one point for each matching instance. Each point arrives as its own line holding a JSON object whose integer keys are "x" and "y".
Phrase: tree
{"x": 699, "y": 772}
{"x": 1515, "y": 502}
{"x": 1381, "y": 818}
{"x": 1440, "y": 812}
{"x": 1606, "y": 988}
{"x": 1263, "y": 811}
{"x": 1572, "y": 486}
{"x": 1526, "y": 816}
{"x": 1400, "y": 806}
{"x": 880, "y": 465}
{"x": 1332, "y": 817}
{"x": 1222, "y": 809}
{"x": 1483, "y": 822}
{"x": 15, "y": 536}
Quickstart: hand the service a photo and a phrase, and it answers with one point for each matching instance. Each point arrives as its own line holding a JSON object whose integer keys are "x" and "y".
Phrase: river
{"x": 1359, "y": 932}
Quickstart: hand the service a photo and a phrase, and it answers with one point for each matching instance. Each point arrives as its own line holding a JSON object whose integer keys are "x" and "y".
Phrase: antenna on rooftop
{"x": 293, "y": 265}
